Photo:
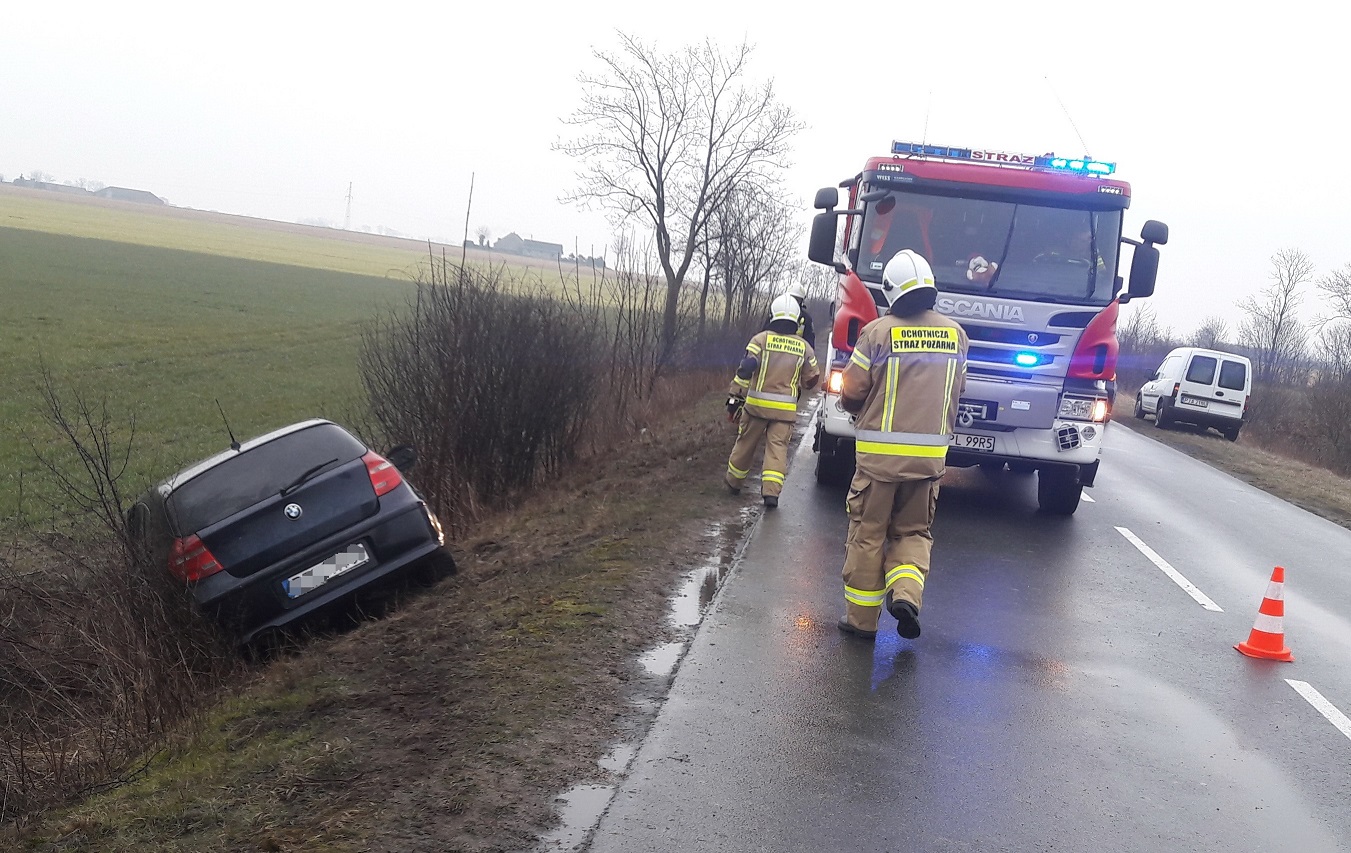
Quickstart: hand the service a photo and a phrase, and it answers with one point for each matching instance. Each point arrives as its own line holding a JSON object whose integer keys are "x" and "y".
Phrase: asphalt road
{"x": 1066, "y": 694}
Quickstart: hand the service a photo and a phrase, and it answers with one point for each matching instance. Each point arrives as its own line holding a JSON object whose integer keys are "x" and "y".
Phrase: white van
{"x": 1204, "y": 387}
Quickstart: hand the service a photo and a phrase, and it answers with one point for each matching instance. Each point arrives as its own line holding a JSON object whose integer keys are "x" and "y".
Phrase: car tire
{"x": 1231, "y": 433}
{"x": 1139, "y": 408}
{"x": 1162, "y": 419}
{"x": 1058, "y": 490}
{"x": 434, "y": 568}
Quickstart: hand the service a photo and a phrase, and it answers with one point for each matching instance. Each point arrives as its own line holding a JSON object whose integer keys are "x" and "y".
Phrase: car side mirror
{"x": 403, "y": 457}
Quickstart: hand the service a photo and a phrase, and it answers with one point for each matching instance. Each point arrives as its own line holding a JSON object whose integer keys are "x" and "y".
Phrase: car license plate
{"x": 964, "y": 441}
{"x": 1189, "y": 400}
{"x": 316, "y": 576}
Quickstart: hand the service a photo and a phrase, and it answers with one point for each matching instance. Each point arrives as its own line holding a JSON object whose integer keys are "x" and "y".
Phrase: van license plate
{"x": 984, "y": 443}
{"x": 316, "y": 576}
{"x": 1189, "y": 400}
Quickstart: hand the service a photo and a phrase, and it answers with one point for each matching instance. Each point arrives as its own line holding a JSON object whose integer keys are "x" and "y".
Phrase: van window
{"x": 1202, "y": 370}
{"x": 1233, "y": 375}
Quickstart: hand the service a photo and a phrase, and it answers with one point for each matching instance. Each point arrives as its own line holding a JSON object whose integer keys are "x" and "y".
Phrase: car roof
{"x": 197, "y": 469}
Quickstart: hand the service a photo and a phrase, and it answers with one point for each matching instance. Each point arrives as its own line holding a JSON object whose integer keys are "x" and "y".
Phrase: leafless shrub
{"x": 100, "y": 655}
{"x": 1144, "y": 343}
{"x": 492, "y": 388}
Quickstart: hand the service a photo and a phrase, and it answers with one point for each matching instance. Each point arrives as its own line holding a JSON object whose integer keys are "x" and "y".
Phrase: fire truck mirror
{"x": 827, "y": 198}
{"x": 821, "y": 249}
{"x": 1144, "y": 270}
{"x": 1155, "y": 232}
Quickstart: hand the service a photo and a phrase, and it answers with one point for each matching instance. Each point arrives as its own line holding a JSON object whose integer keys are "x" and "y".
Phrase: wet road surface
{"x": 1068, "y": 692}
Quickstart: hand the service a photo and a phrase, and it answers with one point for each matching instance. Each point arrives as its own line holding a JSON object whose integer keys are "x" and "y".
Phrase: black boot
{"x": 771, "y": 501}
{"x": 907, "y": 617}
{"x": 844, "y": 626}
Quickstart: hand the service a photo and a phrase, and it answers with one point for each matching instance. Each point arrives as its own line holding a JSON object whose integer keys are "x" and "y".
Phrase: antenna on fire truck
{"x": 1068, "y": 117}
{"x": 928, "y": 108}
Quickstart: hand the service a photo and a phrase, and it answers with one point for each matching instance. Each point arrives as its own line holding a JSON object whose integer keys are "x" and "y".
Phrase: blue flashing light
{"x": 1082, "y": 166}
{"x": 1027, "y": 359}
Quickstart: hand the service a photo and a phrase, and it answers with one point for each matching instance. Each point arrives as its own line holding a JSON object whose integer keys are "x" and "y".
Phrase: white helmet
{"x": 797, "y": 291}
{"x": 906, "y": 272}
{"x": 785, "y": 308}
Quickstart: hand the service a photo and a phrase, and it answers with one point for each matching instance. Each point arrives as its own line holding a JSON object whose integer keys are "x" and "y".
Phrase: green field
{"x": 161, "y": 334}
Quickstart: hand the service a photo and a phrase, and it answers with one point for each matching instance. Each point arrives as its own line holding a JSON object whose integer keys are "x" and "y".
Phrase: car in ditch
{"x": 287, "y": 524}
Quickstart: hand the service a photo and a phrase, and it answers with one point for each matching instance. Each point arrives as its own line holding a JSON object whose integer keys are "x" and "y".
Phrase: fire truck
{"x": 1025, "y": 253}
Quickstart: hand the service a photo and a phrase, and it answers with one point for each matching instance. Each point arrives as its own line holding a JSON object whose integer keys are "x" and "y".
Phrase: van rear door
{"x": 1202, "y": 390}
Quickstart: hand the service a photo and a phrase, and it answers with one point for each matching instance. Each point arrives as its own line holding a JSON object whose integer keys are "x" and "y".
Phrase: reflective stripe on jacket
{"x": 909, "y": 372}
{"x": 786, "y": 366}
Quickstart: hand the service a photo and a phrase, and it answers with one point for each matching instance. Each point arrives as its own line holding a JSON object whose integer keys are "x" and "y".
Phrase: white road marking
{"x": 1085, "y": 496}
{"x": 1187, "y": 586}
{"x": 1322, "y": 705}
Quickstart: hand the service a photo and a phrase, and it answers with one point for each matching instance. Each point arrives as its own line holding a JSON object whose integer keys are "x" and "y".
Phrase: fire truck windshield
{"x": 1000, "y": 248}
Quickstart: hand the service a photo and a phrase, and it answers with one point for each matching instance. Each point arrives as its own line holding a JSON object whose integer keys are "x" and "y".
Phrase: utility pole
{"x": 464, "y": 246}
{"x": 347, "y": 221}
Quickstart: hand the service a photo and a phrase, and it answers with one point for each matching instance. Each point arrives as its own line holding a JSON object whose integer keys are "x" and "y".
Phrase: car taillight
{"x": 1176, "y": 387}
{"x": 384, "y": 476}
{"x": 836, "y": 382}
{"x": 190, "y": 559}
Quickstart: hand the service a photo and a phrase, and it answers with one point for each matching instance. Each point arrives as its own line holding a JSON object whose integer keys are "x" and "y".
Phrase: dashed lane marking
{"x": 1322, "y": 705}
{"x": 1187, "y": 586}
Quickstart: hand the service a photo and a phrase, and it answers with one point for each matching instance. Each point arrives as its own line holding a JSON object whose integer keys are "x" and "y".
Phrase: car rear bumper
{"x": 397, "y": 536}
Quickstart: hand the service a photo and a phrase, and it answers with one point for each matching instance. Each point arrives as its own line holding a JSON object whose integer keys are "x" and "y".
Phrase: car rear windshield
{"x": 258, "y": 473}
{"x": 1233, "y": 375}
{"x": 1202, "y": 370}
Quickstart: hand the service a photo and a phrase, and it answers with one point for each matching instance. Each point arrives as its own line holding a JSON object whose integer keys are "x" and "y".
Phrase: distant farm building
{"x": 514, "y": 244}
{"x": 124, "y": 194}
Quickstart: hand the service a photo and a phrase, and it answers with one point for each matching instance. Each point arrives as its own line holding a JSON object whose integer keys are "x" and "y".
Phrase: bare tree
{"x": 1336, "y": 286}
{"x": 1144, "y": 343}
{"x": 665, "y": 137}
{"x": 1210, "y": 334}
{"x": 41, "y": 177}
{"x": 484, "y": 234}
{"x": 753, "y": 239}
{"x": 1271, "y": 326}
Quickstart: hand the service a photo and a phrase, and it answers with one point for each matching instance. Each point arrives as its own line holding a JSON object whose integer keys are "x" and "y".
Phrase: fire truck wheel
{"x": 1058, "y": 490}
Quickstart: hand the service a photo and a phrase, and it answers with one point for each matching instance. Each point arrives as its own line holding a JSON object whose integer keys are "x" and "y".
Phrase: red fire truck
{"x": 1024, "y": 250}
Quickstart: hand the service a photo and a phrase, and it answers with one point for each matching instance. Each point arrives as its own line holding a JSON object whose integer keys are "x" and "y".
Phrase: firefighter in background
{"x": 805, "y": 329}
{"x": 777, "y": 366}
{"x": 902, "y": 383}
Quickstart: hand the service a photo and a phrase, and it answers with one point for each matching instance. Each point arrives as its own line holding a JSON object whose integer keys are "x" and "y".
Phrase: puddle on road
{"x": 581, "y": 810}
{"x": 583, "y": 805}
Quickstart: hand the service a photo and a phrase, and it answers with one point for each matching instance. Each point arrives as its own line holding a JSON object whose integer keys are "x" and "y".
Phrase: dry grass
{"x": 1317, "y": 490}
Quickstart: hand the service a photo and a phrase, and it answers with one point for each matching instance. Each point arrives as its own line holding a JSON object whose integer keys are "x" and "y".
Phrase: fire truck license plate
{"x": 983, "y": 443}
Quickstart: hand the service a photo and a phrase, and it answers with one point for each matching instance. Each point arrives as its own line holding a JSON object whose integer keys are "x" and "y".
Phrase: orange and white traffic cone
{"x": 1267, "y": 639}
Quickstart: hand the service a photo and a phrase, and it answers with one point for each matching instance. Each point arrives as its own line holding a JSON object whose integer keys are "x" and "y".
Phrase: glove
{"x": 734, "y": 405}
{"x": 980, "y": 270}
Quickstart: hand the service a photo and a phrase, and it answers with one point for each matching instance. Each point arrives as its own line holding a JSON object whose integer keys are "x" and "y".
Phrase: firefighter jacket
{"x": 907, "y": 374}
{"x": 784, "y": 366}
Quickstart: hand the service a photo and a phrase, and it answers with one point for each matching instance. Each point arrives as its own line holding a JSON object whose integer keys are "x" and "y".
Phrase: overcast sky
{"x": 1230, "y": 126}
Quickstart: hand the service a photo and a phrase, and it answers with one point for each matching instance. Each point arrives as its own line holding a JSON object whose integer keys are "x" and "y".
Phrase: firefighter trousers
{"x": 777, "y": 434}
{"x": 888, "y": 545}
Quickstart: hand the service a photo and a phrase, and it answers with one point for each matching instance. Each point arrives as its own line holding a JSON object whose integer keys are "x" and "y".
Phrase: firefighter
{"x": 902, "y": 384}
{"x": 764, "y": 393}
{"x": 804, "y": 324}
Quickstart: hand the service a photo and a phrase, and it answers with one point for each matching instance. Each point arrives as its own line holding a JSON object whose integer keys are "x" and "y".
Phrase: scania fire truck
{"x": 1024, "y": 250}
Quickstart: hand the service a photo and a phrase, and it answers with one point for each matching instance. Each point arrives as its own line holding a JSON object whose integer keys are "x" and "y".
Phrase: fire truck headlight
{"x": 836, "y": 382}
{"x": 1100, "y": 411}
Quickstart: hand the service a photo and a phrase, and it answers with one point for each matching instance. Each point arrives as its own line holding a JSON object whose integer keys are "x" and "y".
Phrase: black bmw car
{"x": 285, "y": 524}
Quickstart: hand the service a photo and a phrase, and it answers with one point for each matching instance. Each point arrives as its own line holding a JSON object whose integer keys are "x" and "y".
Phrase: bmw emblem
{"x": 293, "y": 511}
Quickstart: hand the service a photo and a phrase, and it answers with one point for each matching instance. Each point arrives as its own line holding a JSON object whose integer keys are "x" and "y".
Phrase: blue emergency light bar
{"x": 1081, "y": 166}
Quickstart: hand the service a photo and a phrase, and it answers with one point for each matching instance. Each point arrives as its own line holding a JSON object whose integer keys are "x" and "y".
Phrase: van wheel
{"x": 1058, "y": 490}
{"x": 1139, "y": 408}
{"x": 1162, "y": 419}
{"x": 1231, "y": 433}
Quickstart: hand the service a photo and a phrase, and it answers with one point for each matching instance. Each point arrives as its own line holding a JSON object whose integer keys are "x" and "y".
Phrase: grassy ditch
{"x": 453, "y": 723}
{"x": 1314, "y": 489}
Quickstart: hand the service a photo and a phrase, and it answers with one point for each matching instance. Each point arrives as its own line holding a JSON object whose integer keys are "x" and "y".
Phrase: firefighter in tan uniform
{"x": 903, "y": 382}
{"x": 777, "y": 367}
